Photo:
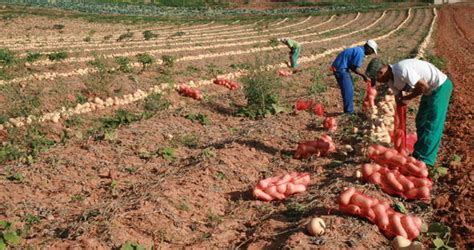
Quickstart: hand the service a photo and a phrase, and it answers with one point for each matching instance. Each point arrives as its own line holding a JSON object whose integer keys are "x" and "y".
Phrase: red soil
{"x": 455, "y": 42}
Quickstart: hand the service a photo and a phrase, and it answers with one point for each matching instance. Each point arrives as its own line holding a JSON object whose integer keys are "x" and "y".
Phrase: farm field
{"x": 100, "y": 149}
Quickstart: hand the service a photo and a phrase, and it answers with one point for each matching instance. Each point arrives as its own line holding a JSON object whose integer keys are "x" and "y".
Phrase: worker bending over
{"x": 416, "y": 77}
{"x": 295, "y": 50}
{"x": 348, "y": 60}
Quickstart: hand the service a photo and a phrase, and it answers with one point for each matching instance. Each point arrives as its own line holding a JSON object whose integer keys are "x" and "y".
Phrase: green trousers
{"x": 430, "y": 123}
{"x": 294, "y": 57}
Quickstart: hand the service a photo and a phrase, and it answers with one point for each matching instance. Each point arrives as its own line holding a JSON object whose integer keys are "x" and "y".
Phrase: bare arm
{"x": 421, "y": 87}
{"x": 358, "y": 72}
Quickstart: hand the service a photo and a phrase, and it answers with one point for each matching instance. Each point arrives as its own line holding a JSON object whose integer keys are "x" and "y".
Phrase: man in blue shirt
{"x": 351, "y": 59}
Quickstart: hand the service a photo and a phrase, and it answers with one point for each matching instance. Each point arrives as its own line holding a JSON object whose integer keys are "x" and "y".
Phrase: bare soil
{"x": 455, "y": 43}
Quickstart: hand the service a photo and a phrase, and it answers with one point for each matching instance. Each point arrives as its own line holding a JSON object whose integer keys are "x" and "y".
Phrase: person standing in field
{"x": 416, "y": 77}
{"x": 295, "y": 50}
{"x": 348, "y": 60}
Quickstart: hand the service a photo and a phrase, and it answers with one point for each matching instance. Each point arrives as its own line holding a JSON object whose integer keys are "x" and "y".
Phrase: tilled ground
{"x": 455, "y": 42}
{"x": 89, "y": 193}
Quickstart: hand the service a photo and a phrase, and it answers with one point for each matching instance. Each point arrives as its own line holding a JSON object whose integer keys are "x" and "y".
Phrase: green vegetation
{"x": 168, "y": 61}
{"x": 9, "y": 152}
{"x": 436, "y": 172}
{"x": 318, "y": 85}
{"x": 6, "y": 57}
{"x": 198, "y": 117}
{"x": 148, "y": 35}
{"x": 132, "y": 246}
{"x": 439, "y": 234}
{"x": 190, "y": 140}
{"x": 261, "y": 92}
{"x": 124, "y": 64}
{"x": 294, "y": 209}
{"x": 167, "y": 153}
{"x": 9, "y": 236}
{"x": 121, "y": 117}
{"x": 125, "y": 36}
{"x": 57, "y": 56}
{"x": 33, "y": 56}
{"x": 146, "y": 60}
{"x": 12, "y": 175}
{"x": 155, "y": 102}
{"x": 209, "y": 153}
{"x": 21, "y": 102}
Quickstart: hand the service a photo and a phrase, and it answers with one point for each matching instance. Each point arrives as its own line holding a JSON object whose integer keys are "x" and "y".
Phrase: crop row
{"x": 217, "y": 43}
{"x": 85, "y": 71}
{"x": 426, "y": 41}
{"x": 98, "y": 104}
{"x": 74, "y": 39}
{"x": 181, "y": 35}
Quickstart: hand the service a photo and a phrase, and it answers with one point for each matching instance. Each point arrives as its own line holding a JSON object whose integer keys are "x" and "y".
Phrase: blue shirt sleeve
{"x": 358, "y": 57}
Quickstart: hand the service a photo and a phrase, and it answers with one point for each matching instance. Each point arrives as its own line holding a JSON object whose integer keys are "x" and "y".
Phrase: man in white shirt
{"x": 416, "y": 77}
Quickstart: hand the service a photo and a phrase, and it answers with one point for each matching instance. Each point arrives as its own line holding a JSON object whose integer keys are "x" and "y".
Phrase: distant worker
{"x": 417, "y": 77}
{"x": 351, "y": 59}
{"x": 295, "y": 49}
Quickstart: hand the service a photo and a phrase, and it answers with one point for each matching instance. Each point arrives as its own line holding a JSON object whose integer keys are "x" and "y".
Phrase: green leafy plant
{"x": 11, "y": 175}
{"x": 87, "y": 39}
{"x": 145, "y": 59}
{"x": 29, "y": 220}
{"x": 192, "y": 69}
{"x": 121, "y": 117}
{"x": 190, "y": 140}
{"x": 167, "y": 153}
{"x": 107, "y": 37}
{"x": 220, "y": 176}
{"x": 208, "y": 153}
{"x": 131, "y": 246}
{"x": 148, "y": 35}
{"x": 214, "y": 218}
{"x": 124, "y": 64}
{"x": 456, "y": 158}
{"x": 261, "y": 91}
{"x": 436, "y": 172}
{"x": 155, "y": 102}
{"x": 57, "y": 55}
{"x": 198, "y": 117}
{"x": 4, "y": 75}
{"x": 6, "y": 57}
{"x": 9, "y": 152}
{"x": 439, "y": 234}
{"x": 73, "y": 121}
{"x": 168, "y": 61}
{"x": 81, "y": 99}
{"x": 33, "y": 56}
{"x": 124, "y": 36}
{"x": 9, "y": 236}
{"x": 100, "y": 65}
{"x": 294, "y": 209}
{"x": 399, "y": 207}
